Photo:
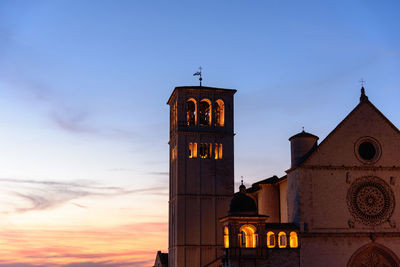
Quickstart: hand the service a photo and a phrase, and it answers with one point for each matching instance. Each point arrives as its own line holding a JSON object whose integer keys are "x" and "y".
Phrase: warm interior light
{"x": 205, "y": 112}
{"x": 226, "y": 237}
{"x": 219, "y": 113}
{"x": 270, "y": 239}
{"x": 191, "y": 117}
{"x": 192, "y": 150}
{"x": 282, "y": 240}
{"x": 248, "y": 237}
{"x": 294, "y": 243}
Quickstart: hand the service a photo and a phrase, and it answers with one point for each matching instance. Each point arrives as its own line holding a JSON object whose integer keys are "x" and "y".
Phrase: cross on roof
{"x": 362, "y": 82}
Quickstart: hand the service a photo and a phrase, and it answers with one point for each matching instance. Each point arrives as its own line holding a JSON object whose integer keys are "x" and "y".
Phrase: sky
{"x": 84, "y": 121}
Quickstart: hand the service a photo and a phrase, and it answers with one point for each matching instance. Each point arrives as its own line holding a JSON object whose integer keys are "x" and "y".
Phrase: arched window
{"x": 226, "y": 237}
{"x": 270, "y": 239}
{"x": 293, "y": 241}
{"x": 218, "y": 151}
{"x": 248, "y": 236}
{"x": 192, "y": 150}
{"x": 282, "y": 240}
{"x": 219, "y": 113}
{"x": 205, "y": 150}
{"x": 205, "y": 112}
{"x": 191, "y": 112}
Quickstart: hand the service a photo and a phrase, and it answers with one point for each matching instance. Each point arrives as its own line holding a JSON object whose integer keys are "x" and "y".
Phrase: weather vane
{"x": 199, "y": 74}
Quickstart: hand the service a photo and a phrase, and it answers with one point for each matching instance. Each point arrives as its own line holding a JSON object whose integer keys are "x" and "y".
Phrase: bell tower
{"x": 201, "y": 173}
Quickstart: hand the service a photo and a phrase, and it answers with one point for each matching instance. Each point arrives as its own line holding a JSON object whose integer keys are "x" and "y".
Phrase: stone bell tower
{"x": 201, "y": 174}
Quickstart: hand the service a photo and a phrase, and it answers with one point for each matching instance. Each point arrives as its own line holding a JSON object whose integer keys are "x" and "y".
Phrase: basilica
{"x": 335, "y": 207}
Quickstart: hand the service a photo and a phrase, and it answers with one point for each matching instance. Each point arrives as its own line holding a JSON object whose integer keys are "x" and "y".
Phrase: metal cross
{"x": 362, "y": 82}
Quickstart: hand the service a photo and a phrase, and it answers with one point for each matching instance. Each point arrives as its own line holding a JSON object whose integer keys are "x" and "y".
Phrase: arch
{"x": 248, "y": 236}
{"x": 271, "y": 239}
{"x": 226, "y": 237}
{"x": 293, "y": 240}
{"x": 219, "y": 113}
{"x": 191, "y": 114}
{"x": 282, "y": 240}
{"x": 205, "y": 112}
{"x": 373, "y": 255}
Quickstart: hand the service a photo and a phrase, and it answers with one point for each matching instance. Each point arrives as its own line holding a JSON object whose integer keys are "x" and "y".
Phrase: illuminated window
{"x": 248, "y": 237}
{"x": 270, "y": 240}
{"x": 218, "y": 151}
{"x": 174, "y": 117}
{"x": 226, "y": 237}
{"x": 219, "y": 113}
{"x": 205, "y": 112}
{"x": 173, "y": 153}
{"x": 294, "y": 243}
{"x": 192, "y": 150}
{"x": 205, "y": 151}
{"x": 282, "y": 240}
{"x": 191, "y": 112}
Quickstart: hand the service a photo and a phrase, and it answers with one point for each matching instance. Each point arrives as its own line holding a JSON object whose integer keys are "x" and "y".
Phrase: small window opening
{"x": 192, "y": 150}
{"x": 270, "y": 239}
{"x": 205, "y": 113}
{"x": 219, "y": 113}
{"x": 173, "y": 153}
{"x": 205, "y": 151}
{"x": 218, "y": 151}
{"x": 174, "y": 117}
{"x": 226, "y": 237}
{"x": 294, "y": 243}
{"x": 282, "y": 240}
{"x": 191, "y": 112}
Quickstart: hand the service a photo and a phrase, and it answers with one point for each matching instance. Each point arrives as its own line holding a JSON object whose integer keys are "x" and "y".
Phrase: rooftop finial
{"x": 303, "y": 128}
{"x": 363, "y": 96}
{"x": 198, "y": 73}
{"x": 242, "y": 187}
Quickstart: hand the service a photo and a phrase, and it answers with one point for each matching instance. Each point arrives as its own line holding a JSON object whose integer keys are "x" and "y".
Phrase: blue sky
{"x": 84, "y": 85}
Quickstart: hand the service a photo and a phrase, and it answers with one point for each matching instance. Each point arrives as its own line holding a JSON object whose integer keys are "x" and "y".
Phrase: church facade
{"x": 335, "y": 207}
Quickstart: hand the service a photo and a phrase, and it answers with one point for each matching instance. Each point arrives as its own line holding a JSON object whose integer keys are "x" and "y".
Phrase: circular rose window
{"x": 367, "y": 150}
{"x": 370, "y": 200}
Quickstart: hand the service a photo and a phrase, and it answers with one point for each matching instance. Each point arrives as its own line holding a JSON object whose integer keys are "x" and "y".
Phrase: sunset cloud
{"x": 41, "y": 195}
{"x": 132, "y": 245}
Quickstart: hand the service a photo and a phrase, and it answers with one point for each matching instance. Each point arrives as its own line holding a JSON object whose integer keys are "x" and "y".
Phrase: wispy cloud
{"x": 64, "y": 115}
{"x": 159, "y": 173}
{"x": 41, "y": 195}
{"x": 72, "y": 121}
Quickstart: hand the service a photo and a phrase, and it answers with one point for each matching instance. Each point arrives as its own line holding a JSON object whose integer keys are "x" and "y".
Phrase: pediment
{"x": 353, "y": 142}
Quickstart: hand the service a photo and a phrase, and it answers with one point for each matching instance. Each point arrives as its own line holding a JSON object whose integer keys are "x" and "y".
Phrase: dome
{"x": 303, "y": 134}
{"x": 242, "y": 203}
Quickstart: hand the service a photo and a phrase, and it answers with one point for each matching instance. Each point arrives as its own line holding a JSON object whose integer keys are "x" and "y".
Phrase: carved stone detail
{"x": 373, "y": 256}
{"x": 350, "y": 222}
{"x": 370, "y": 200}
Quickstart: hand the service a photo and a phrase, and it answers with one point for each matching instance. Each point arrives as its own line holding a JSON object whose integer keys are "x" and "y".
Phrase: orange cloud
{"x": 125, "y": 245}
